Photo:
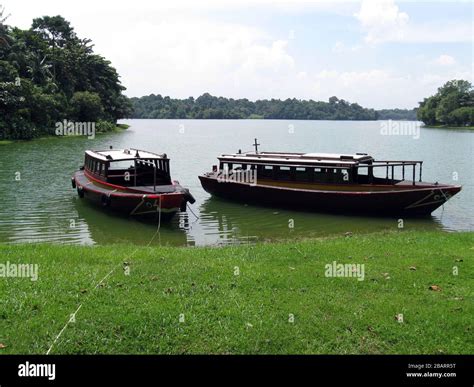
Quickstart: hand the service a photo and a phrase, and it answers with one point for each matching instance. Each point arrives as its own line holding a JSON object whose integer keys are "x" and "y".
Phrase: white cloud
{"x": 382, "y": 21}
{"x": 445, "y": 60}
{"x": 163, "y": 47}
{"x": 340, "y": 47}
{"x": 189, "y": 56}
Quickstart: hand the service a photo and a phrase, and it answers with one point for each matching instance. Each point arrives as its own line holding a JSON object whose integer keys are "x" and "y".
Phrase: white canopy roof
{"x": 124, "y": 154}
{"x": 298, "y": 158}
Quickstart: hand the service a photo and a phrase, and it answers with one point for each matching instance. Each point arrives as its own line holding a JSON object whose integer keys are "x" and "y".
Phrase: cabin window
{"x": 284, "y": 173}
{"x": 302, "y": 174}
{"x": 124, "y": 164}
{"x": 320, "y": 175}
{"x": 265, "y": 171}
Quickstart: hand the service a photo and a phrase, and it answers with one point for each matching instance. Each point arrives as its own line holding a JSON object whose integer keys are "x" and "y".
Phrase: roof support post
{"x": 135, "y": 173}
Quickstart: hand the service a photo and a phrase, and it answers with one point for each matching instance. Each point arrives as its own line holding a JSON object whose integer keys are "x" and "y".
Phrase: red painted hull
{"x": 407, "y": 201}
{"x": 130, "y": 202}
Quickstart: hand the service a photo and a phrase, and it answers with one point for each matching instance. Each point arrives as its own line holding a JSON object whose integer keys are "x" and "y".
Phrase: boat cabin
{"x": 358, "y": 168}
{"x": 128, "y": 167}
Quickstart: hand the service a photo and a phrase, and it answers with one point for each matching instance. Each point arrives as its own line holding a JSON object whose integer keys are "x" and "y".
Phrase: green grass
{"x": 246, "y": 313}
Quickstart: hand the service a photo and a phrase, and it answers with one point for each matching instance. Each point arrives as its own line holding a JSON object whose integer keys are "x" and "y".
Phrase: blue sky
{"x": 381, "y": 54}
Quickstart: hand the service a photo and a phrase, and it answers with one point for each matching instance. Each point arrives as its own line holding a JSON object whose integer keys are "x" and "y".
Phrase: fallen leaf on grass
{"x": 2, "y": 346}
{"x": 399, "y": 318}
{"x": 435, "y": 288}
{"x": 413, "y": 268}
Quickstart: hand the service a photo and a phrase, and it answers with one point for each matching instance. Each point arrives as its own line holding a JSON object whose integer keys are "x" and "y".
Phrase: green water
{"x": 38, "y": 203}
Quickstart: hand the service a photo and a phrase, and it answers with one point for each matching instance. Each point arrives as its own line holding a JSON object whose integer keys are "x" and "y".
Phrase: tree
{"x": 446, "y": 105}
{"x": 462, "y": 116}
{"x": 86, "y": 107}
{"x": 54, "y": 29}
{"x": 48, "y": 74}
{"x": 443, "y": 107}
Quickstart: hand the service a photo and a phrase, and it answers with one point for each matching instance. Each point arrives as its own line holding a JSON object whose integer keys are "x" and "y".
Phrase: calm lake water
{"x": 43, "y": 207}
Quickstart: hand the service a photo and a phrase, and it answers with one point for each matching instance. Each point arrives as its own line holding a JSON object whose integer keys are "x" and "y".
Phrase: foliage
{"x": 452, "y": 105}
{"x": 210, "y": 107}
{"x": 86, "y": 106}
{"x": 397, "y": 114}
{"x": 48, "y": 74}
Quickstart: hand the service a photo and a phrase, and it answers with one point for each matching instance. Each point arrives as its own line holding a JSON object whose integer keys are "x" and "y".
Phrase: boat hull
{"x": 142, "y": 205}
{"x": 415, "y": 201}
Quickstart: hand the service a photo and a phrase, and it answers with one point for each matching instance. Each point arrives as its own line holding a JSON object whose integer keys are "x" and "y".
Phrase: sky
{"x": 380, "y": 54}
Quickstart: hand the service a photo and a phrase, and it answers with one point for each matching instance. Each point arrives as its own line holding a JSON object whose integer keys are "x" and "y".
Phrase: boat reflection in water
{"x": 105, "y": 228}
{"x": 234, "y": 223}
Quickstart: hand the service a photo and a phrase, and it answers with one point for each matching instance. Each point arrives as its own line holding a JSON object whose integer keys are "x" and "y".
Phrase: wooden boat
{"x": 339, "y": 183}
{"x": 131, "y": 181}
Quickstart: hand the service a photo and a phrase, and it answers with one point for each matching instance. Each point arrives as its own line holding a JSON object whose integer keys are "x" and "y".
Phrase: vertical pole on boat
{"x": 393, "y": 171}
{"x": 421, "y": 168}
{"x": 386, "y": 175}
{"x": 403, "y": 170}
{"x": 135, "y": 173}
{"x": 256, "y": 144}
{"x": 414, "y": 175}
{"x": 154, "y": 175}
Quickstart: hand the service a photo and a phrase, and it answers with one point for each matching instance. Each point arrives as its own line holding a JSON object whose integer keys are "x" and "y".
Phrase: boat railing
{"x": 147, "y": 163}
{"x": 391, "y": 164}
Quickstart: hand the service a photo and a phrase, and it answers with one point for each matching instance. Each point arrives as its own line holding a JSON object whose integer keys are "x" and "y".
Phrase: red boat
{"x": 339, "y": 183}
{"x": 131, "y": 181}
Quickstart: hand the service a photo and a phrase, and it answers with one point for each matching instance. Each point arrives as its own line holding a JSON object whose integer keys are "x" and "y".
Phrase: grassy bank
{"x": 267, "y": 298}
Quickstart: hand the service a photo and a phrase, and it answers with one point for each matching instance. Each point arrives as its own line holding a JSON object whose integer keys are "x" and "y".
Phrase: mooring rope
{"x": 192, "y": 212}
{"x": 72, "y": 317}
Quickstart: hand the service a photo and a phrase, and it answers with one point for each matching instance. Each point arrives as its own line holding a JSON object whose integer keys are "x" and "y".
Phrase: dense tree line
{"x": 397, "y": 114}
{"x": 209, "y": 107}
{"x": 48, "y": 74}
{"x": 452, "y": 105}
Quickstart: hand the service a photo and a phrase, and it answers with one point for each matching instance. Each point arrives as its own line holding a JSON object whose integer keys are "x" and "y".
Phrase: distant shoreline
{"x": 448, "y": 127}
{"x": 118, "y": 128}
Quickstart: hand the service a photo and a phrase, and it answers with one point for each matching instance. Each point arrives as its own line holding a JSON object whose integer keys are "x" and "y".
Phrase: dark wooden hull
{"x": 143, "y": 205}
{"x": 406, "y": 201}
